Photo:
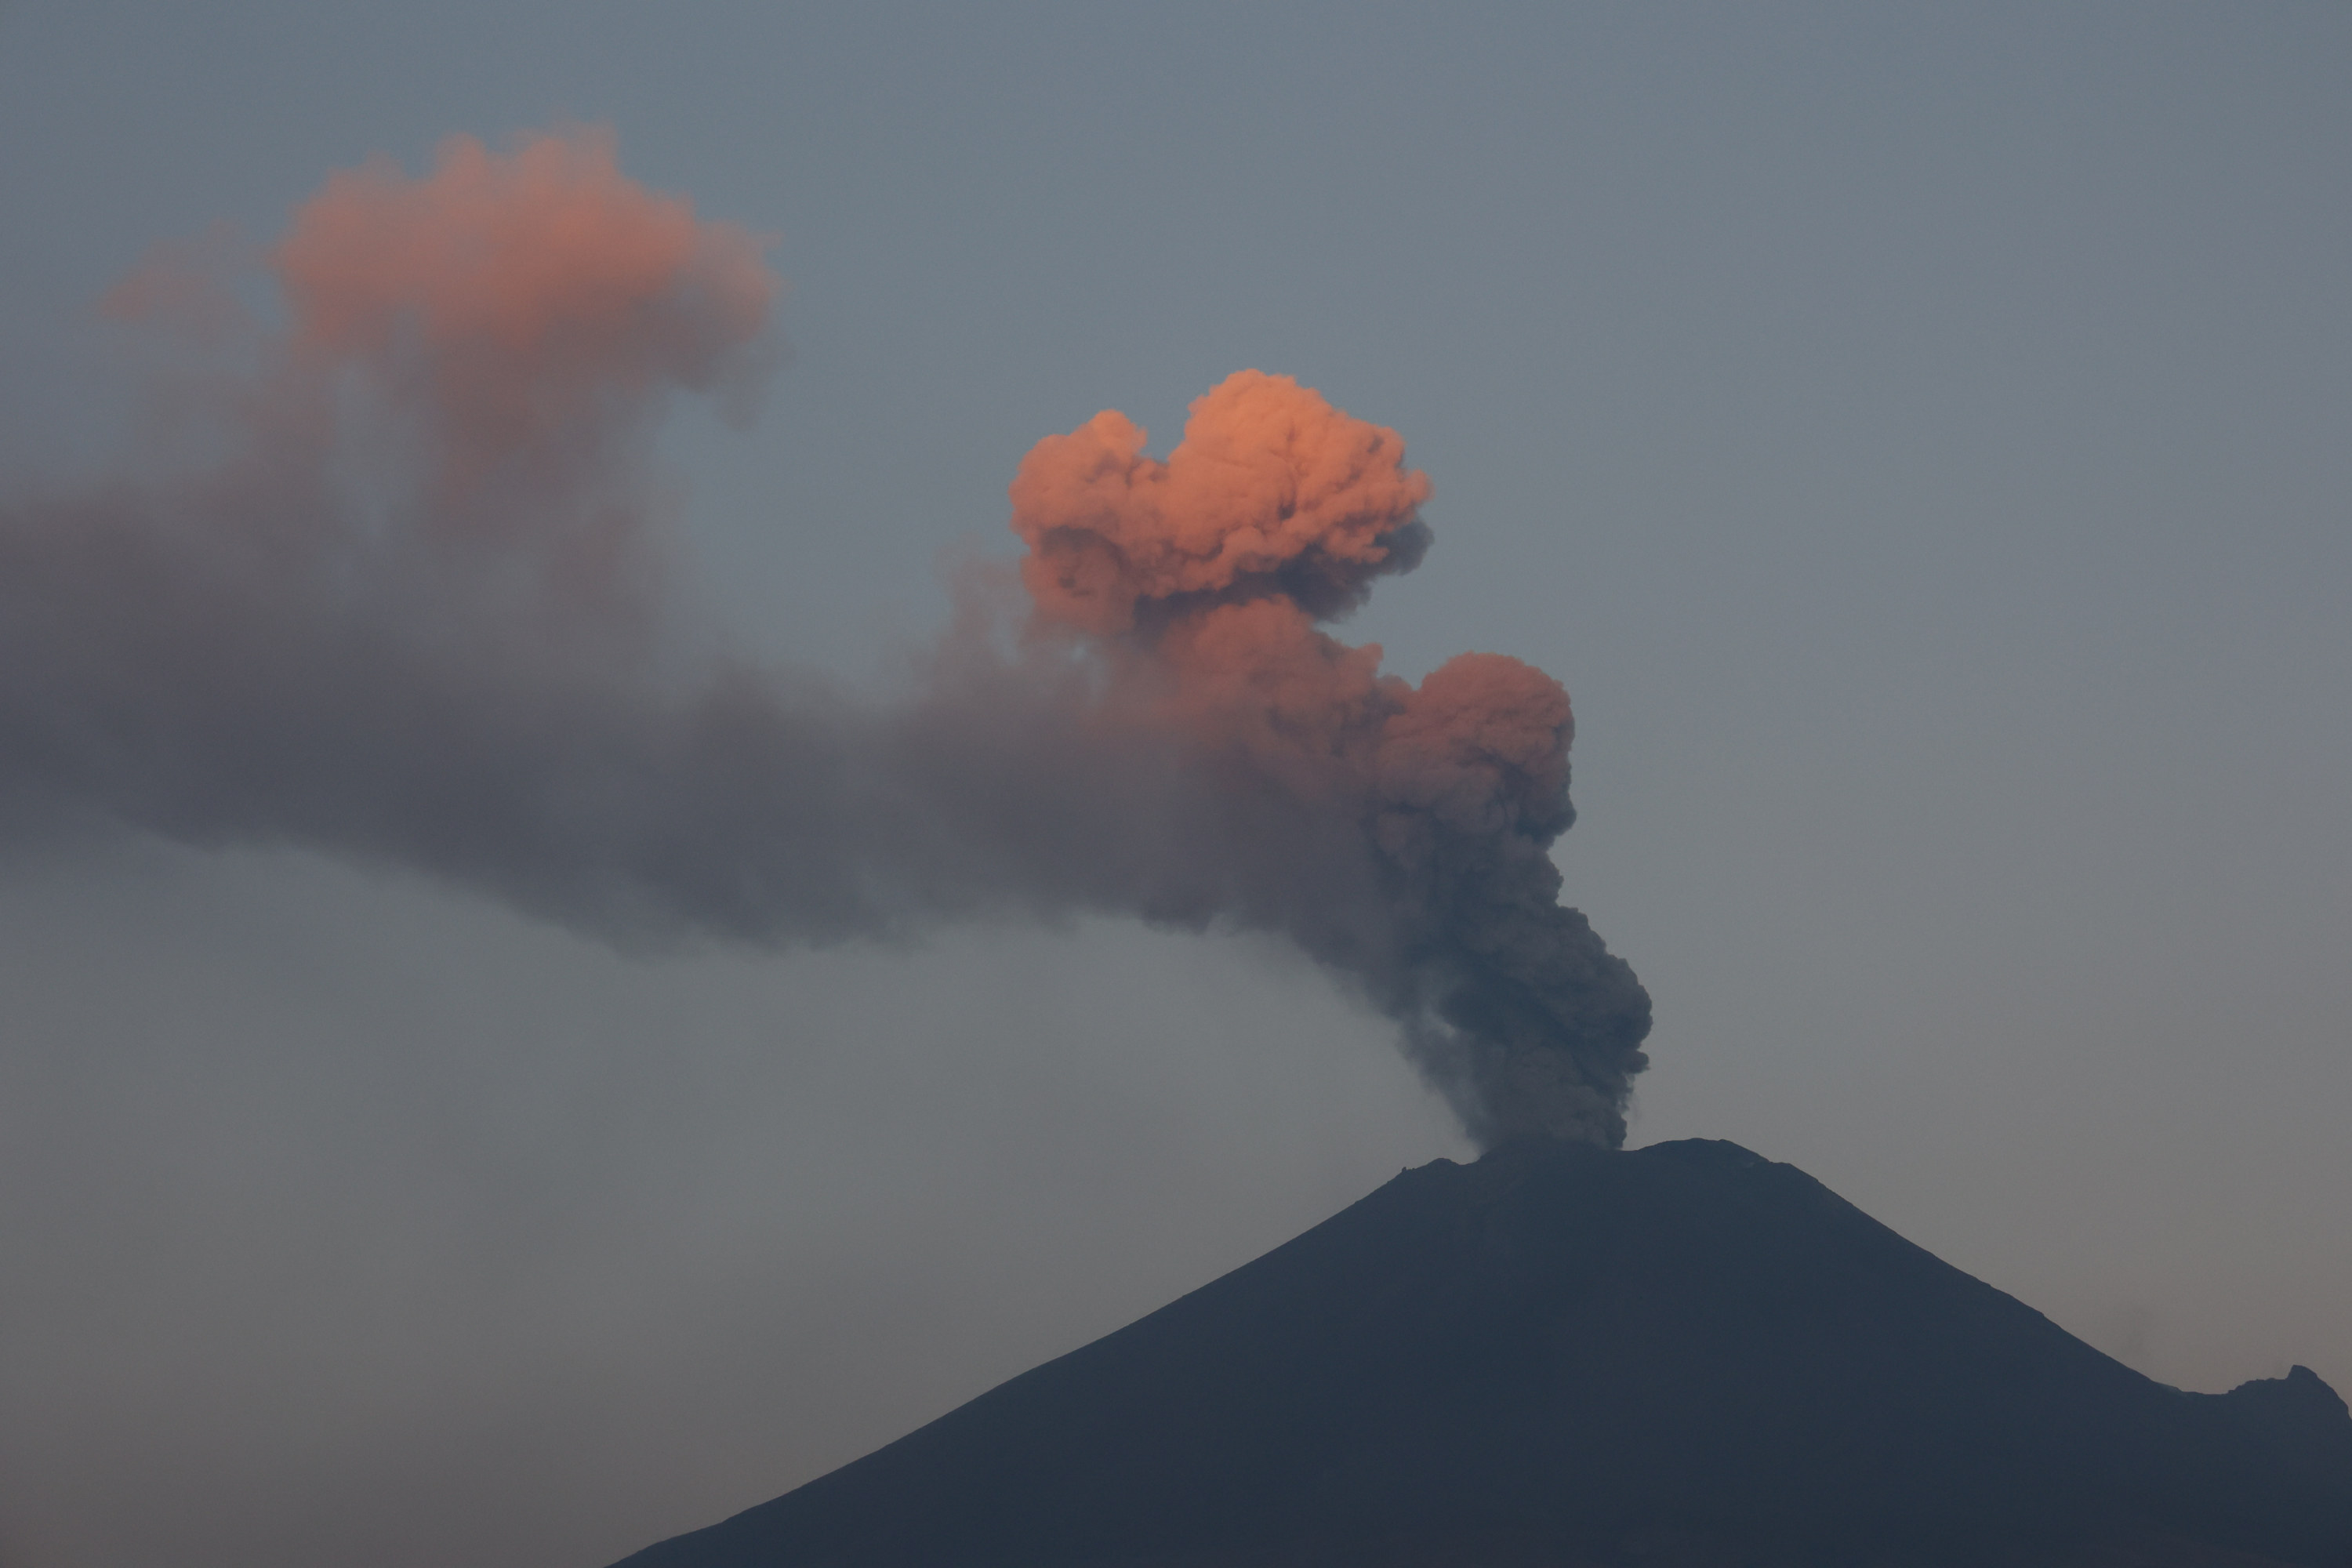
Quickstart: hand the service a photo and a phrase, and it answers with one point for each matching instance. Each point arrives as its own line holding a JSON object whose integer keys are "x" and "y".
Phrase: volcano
{"x": 1684, "y": 1355}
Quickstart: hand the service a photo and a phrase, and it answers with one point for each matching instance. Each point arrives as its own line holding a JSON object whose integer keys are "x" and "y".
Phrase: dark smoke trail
{"x": 413, "y": 614}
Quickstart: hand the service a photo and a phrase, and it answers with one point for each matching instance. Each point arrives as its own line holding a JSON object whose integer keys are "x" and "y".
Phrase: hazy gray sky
{"x": 1918, "y": 438}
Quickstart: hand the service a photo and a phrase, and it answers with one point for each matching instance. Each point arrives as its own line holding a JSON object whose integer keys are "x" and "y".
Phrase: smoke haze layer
{"x": 389, "y": 584}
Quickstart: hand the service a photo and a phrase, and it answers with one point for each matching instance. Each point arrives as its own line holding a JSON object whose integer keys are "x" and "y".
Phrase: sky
{"x": 1914, "y": 435}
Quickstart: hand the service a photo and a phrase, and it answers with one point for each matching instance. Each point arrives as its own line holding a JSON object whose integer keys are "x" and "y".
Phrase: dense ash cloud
{"x": 406, "y": 605}
{"x": 1199, "y": 583}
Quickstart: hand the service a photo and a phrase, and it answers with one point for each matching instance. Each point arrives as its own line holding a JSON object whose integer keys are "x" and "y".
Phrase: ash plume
{"x": 406, "y": 605}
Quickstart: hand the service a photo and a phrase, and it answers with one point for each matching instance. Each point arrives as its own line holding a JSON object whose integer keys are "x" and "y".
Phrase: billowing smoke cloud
{"x": 1201, "y": 580}
{"x": 407, "y": 605}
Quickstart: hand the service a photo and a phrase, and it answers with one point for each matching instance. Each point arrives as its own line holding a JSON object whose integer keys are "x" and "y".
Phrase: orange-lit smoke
{"x": 1203, "y": 579}
{"x": 402, "y": 606}
{"x": 521, "y": 297}
{"x": 406, "y": 609}
{"x": 1271, "y": 492}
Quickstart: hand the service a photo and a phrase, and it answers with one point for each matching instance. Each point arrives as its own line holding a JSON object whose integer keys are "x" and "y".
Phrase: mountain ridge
{"x": 1684, "y": 1353}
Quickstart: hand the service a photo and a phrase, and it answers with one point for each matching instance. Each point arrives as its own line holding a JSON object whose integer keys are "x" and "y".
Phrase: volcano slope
{"x": 1685, "y": 1355}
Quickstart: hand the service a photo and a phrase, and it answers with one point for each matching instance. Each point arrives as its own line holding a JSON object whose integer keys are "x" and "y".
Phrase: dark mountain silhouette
{"x": 1686, "y": 1355}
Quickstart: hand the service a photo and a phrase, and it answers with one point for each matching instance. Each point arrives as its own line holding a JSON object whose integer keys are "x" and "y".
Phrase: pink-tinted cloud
{"x": 1272, "y": 490}
{"x": 402, "y": 606}
{"x": 1201, "y": 581}
{"x": 516, "y": 294}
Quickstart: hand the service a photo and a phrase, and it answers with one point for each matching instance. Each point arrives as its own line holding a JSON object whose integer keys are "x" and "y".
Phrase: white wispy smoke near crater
{"x": 412, "y": 610}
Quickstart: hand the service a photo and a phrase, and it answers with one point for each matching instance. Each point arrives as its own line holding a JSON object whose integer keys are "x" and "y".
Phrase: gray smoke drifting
{"x": 409, "y": 608}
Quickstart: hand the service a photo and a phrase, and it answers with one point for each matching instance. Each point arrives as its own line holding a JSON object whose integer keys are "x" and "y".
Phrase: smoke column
{"x": 392, "y": 590}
